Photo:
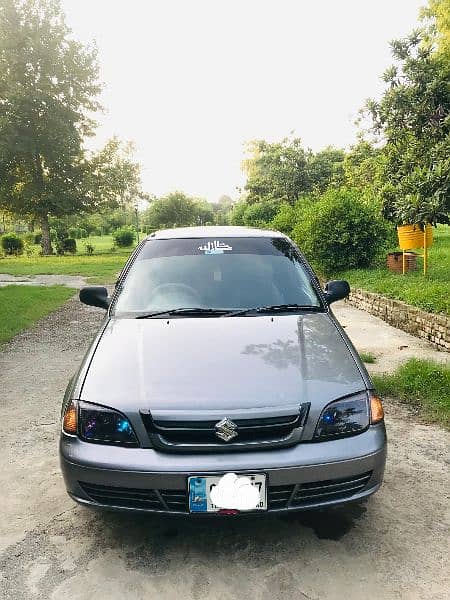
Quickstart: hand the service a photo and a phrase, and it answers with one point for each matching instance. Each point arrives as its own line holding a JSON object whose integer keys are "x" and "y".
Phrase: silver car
{"x": 220, "y": 382}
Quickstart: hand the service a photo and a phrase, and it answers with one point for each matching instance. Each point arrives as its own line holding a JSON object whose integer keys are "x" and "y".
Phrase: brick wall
{"x": 433, "y": 328}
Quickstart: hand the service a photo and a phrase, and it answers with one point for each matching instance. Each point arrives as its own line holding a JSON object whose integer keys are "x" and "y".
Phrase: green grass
{"x": 428, "y": 292}
{"x": 102, "y": 244}
{"x": 101, "y": 267}
{"x": 368, "y": 357}
{"x": 21, "y": 306}
{"x": 424, "y": 384}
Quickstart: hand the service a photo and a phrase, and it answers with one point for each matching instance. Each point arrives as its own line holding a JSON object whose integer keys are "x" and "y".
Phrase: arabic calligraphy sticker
{"x": 215, "y": 247}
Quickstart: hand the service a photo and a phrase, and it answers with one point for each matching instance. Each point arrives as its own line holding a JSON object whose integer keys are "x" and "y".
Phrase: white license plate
{"x": 200, "y": 488}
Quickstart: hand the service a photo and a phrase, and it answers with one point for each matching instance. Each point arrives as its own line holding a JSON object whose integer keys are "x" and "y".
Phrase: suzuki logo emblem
{"x": 226, "y": 430}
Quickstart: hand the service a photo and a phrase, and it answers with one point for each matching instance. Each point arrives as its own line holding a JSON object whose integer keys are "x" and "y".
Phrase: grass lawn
{"x": 430, "y": 292}
{"x": 21, "y": 306}
{"x": 423, "y": 384}
{"x": 100, "y": 267}
{"x": 102, "y": 244}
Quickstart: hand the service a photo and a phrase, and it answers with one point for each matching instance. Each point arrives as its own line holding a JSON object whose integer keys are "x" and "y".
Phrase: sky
{"x": 191, "y": 81}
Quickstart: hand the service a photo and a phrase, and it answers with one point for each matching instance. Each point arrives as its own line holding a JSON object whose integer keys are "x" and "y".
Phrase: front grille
{"x": 197, "y": 436}
{"x": 279, "y": 497}
{"x": 302, "y": 494}
{"x": 158, "y": 500}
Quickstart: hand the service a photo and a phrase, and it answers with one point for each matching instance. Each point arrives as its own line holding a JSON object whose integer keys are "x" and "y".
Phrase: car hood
{"x": 216, "y": 366}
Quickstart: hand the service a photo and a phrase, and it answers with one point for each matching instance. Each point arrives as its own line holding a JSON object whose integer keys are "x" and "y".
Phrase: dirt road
{"x": 395, "y": 547}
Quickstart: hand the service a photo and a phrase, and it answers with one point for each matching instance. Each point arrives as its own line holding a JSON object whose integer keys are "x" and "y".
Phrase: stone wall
{"x": 433, "y": 328}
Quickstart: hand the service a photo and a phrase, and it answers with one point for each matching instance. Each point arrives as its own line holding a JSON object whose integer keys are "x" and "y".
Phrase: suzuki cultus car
{"x": 220, "y": 382}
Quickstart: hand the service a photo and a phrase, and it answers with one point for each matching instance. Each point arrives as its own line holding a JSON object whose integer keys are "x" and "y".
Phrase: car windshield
{"x": 207, "y": 273}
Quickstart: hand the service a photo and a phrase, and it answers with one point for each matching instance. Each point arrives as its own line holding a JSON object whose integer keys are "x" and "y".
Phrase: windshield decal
{"x": 215, "y": 247}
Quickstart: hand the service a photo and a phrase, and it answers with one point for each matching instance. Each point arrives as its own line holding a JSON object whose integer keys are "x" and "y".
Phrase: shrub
{"x": 89, "y": 249}
{"x": 340, "y": 231}
{"x": 38, "y": 238}
{"x": 12, "y": 244}
{"x": 260, "y": 214}
{"x": 28, "y": 238}
{"x": 124, "y": 237}
{"x": 287, "y": 216}
{"x": 66, "y": 245}
{"x": 69, "y": 245}
{"x": 237, "y": 214}
{"x": 29, "y": 249}
{"x": 84, "y": 233}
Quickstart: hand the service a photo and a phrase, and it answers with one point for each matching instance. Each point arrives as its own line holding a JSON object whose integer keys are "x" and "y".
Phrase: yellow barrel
{"x": 411, "y": 236}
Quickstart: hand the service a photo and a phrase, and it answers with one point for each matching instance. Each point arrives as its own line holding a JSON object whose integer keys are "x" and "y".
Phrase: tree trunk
{"x": 45, "y": 241}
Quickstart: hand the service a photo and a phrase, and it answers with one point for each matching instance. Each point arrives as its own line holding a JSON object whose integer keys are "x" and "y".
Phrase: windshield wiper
{"x": 191, "y": 311}
{"x": 274, "y": 308}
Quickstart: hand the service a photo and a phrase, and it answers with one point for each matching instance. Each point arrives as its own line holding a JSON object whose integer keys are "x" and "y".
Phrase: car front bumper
{"x": 305, "y": 476}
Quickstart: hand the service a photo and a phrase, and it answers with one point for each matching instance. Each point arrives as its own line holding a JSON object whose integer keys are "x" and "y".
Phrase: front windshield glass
{"x": 226, "y": 273}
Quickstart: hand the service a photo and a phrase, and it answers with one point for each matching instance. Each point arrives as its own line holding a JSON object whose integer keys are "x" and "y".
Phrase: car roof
{"x": 213, "y": 231}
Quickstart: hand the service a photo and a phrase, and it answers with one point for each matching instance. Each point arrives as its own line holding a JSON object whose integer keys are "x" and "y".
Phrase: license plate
{"x": 200, "y": 489}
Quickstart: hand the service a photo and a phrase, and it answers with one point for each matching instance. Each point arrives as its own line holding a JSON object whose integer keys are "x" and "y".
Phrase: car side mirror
{"x": 336, "y": 290}
{"x": 95, "y": 295}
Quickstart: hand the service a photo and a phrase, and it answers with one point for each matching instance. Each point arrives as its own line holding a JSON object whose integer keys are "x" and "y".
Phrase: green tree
{"x": 238, "y": 213}
{"x": 284, "y": 171}
{"x": 48, "y": 90}
{"x": 437, "y": 18}
{"x": 204, "y": 212}
{"x": 260, "y": 214}
{"x": 362, "y": 166}
{"x": 277, "y": 171}
{"x": 326, "y": 168}
{"x": 178, "y": 209}
{"x": 113, "y": 177}
{"x": 413, "y": 119}
{"x": 222, "y": 210}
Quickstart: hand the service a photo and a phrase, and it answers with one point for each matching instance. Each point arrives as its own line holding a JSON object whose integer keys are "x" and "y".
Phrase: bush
{"x": 238, "y": 212}
{"x": 287, "y": 216}
{"x": 29, "y": 249}
{"x": 66, "y": 245}
{"x": 260, "y": 214}
{"x": 340, "y": 231}
{"x": 37, "y": 238}
{"x": 74, "y": 232}
{"x": 28, "y": 238}
{"x": 124, "y": 237}
{"x": 12, "y": 244}
{"x": 84, "y": 233}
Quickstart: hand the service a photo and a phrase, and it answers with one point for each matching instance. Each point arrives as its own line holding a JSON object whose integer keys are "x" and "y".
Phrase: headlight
{"x": 343, "y": 417}
{"x": 100, "y": 425}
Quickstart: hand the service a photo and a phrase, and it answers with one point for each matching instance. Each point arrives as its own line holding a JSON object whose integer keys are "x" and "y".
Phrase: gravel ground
{"x": 394, "y": 547}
